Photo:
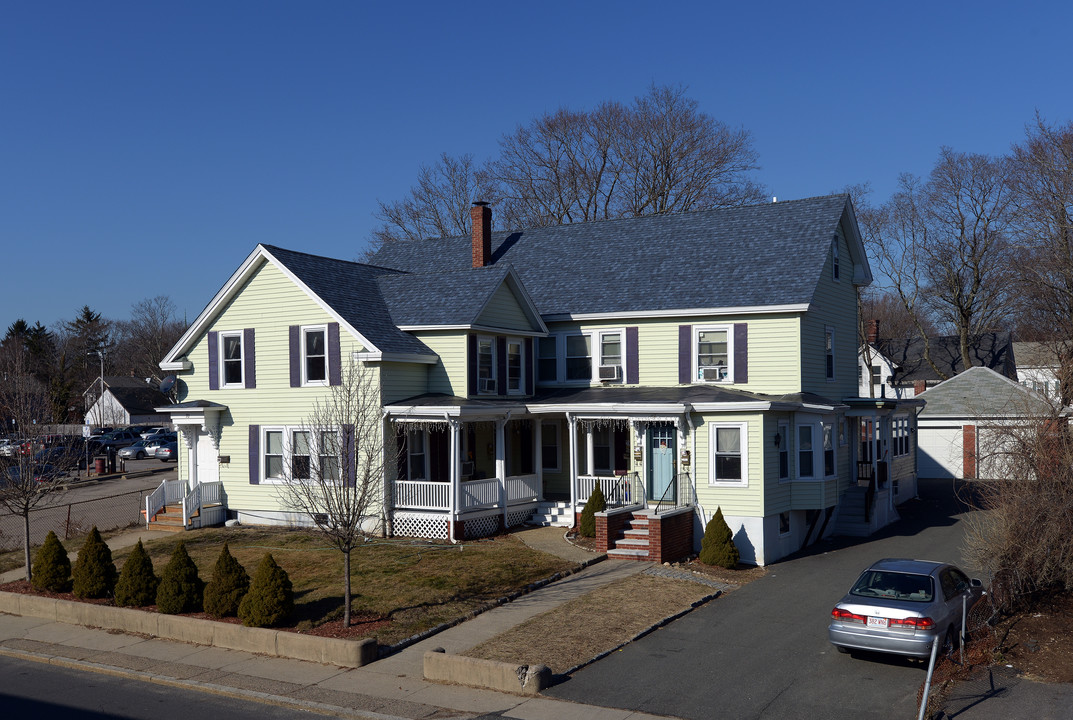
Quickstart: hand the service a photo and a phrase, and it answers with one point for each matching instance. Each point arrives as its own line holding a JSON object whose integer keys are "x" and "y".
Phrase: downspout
{"x": 501, "y": 464}
{"x": 693, "y": 456}
{"x": 455, "y": 470}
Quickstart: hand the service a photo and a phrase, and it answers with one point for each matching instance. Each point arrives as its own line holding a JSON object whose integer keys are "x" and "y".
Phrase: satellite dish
{"x": 167, "y": 384}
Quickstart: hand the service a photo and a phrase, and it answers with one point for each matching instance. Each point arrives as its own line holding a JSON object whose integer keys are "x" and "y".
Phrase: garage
{"x": 939, "y": 450}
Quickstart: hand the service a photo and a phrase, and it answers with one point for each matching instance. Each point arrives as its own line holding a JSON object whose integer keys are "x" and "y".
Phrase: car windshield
{"x": 894, "y": 585}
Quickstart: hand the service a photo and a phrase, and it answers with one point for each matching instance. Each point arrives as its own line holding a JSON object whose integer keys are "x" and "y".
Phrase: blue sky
{"x": 147, "y": 147}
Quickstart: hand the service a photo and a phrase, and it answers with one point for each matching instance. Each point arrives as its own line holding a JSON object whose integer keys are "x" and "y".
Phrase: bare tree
{"x": 438, "y": 206}
{"x": 1042, "y": 181}
{"x": 335, "y": 474}
{"x": 33, "y": 473}
{"x": 145, "y": 339}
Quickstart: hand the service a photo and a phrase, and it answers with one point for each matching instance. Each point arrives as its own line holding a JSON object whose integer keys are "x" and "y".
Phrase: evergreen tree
{"x": 137, "y": 582}
{"x": 230, "y": 583}
{"x": 52, "y": 568}
{"x": 717, "y": 547}
{"x": 271, "y": 597}
{"x": 596, "y": 503}
{"x": 94, "y": 574}
{"x": 180, "y": 589}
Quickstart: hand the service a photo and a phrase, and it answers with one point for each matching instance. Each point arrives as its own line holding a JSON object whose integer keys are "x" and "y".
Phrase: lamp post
{"x": 100, "y": 353}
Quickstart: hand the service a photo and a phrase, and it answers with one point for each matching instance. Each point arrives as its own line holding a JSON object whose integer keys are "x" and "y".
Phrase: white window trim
{"x": 555, "y": 358}
{"x": 551, "y": 430}
{"x": 595, "y": 337}
{"x": 697, "y": 330}
{"x": 288, "y": 432}
{"x": 829, "y": 331}
{"x": 495, "y": 365}
{"x": 834, "y": 448}
{"x": 900, "y": 435}
{"x": 743, "y": 428}
{"x": 409, "y": 454}
{"x": 784, "y": 433}
{"x": 306, "y": 382}
{"x": 222, "y": 345}
{"x": 817, "y": 454}
{"x": 521, "y": 368}
{"x": 598, "y": 359}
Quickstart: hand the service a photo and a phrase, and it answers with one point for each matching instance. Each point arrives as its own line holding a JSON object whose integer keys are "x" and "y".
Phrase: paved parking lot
{"x": 762, "y": 651}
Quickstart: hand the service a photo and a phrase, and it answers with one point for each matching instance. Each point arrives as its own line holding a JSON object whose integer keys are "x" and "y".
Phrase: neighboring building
{"x": 960, "y": 425}
{"x": 1037, "y": 368}
{"x": 897, "y": 368}
{"x": 684, "y": 362}
{"x": 126, "y": 401}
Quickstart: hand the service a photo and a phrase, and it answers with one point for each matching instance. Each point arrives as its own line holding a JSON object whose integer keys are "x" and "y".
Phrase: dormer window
{"x": 486, "y": 366}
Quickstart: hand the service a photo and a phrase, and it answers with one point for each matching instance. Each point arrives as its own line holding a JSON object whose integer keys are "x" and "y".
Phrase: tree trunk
{"x": 26, "y": 543}
{"x": 346, "y": 588}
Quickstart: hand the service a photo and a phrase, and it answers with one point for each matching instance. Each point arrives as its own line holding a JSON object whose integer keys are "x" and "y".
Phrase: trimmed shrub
{"x": 596, "y": 503}
{"x": 94, "y": 574}
{"x": 717, "y": 547}
{"x": 230, "y": 582}
{"x": 270, "y": 599}
{"x": 180, "y": 589}
{"x": 137, "y": 582}
{"x": 51, "y": 569}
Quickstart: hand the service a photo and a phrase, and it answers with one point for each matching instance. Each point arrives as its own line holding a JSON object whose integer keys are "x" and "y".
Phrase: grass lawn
{"x": 401, "y": 587}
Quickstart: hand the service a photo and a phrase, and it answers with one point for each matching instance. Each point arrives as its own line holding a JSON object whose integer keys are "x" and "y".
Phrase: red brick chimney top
{"x": 873, "y": 331}
{"x": 481, "y": 216}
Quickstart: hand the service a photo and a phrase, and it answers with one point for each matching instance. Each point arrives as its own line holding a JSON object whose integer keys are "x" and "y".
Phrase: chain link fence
{"x": 75, "y": 519}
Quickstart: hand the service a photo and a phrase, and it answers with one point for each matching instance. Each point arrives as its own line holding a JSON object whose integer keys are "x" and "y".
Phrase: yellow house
{"x": 684, "y": 363}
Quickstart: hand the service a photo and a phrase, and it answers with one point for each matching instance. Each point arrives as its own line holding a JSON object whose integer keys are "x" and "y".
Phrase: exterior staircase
{"x": 851, "y": 514}
{"x": 557, "y": 514}
{"x": 170, "y": 519}
{"x": 632, "y": 542}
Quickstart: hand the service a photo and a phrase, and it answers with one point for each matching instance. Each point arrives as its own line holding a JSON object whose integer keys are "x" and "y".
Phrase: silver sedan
{"x": 901, "y": 606}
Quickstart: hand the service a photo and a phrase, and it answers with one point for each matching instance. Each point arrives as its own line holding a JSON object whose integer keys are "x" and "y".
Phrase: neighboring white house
{"x": 1037, "y": 368}
{"x": 956, "y": 430}
{"x": 126, "y": 401}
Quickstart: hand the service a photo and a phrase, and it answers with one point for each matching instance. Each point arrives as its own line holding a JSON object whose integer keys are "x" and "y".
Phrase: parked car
{"x": 41, "y": 473}
{"x": 118, "y": 439}
{"x": 153, "y": 443}
{"x": 9, "y": 446}
{"x": 138, "y": 451}
{"x": 901, "y": 606}
{"x": 168, "y": 451}
{"x": 149, "y": 432}
{"x": 58, "y": 455}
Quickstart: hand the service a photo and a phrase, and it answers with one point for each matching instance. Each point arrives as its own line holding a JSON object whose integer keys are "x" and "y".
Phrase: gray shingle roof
{"x": 981, "y": 392}
{"x": 762, "y": 255}
{"x": 353, "y": 291}
{"x": 139, "y": 400}
{"x": 453, "y": 298}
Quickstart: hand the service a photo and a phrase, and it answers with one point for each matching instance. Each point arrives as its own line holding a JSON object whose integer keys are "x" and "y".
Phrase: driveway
{"x": 762, "y": 651}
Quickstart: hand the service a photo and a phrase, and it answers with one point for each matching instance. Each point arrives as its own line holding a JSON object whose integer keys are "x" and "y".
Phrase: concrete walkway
{"x": 392, "y": 687}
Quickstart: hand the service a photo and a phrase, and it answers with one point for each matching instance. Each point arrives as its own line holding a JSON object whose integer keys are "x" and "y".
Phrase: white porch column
{"x": 456, "y": 477}
{"x": 590, "y": 462}
{"x": 501, "y": 466}
{"x": 190, "y": 438}
{"x": 571, "y": 429}
{"x": 538, "y": 455}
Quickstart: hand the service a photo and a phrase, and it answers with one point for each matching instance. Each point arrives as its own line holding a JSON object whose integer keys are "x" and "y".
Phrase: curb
{"x": 199, "y": 686}
{"x": 529, "y": 680}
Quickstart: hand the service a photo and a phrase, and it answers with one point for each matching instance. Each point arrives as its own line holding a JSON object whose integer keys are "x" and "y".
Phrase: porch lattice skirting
{"x": 423, "y": 525}
{"x": 434, "y": 526}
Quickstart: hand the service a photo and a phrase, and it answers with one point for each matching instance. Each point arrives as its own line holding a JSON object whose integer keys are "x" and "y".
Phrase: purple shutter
{"x": 255, "y": 454}
{"x": 295, "y": 355}
{"x": 214, "y": 361}
{"x": 248, "y": 359}
{"x": 471, "y": 365}
{"x": 530, "y": 365}
{"x": 685, "y": 354}
{"x": 632, "y": 357}
{"x": 741, "y": 352}
{"x": 501, "y": 365}
{"x": 349, "y": 459}
{"x": 335, "y": 368}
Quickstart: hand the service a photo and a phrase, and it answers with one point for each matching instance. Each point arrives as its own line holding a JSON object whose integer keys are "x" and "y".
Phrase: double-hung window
{"x": 828, "y": 449}
{"x": 298, "y": 453}
{"x": 416, "y": 456}
{"x": 601, "y": 451}
{"x": 314, "y": 355}
{"x": 835, "y": 271}
{"x": 900, "y": 431}
{"x": 549, "y": 446}
{"x": 515, "y": 367}
{"x": 713, "y": 352}
{"x": 805, "y": 453}
{"x": 273, "y": 454}
{"x": 728, "y": 460}
{"x": 611, "y": 366}
{"x": 486, "y": 365}
{"x": 231, "y": 359}
{"x": 829, "y": 352}
{"x": 783, "y": 435}
{"x": 548, "y": 359}
{"x": 578, "y": 358}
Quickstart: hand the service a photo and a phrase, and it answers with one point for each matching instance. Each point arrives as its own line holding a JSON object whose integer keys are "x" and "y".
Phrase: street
{"x": 762, "y": 652}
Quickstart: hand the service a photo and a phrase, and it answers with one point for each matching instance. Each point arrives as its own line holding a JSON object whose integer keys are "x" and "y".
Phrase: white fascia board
{"x": 177, "y": 366}
{"x": 682, "y": 312}
{"x": 741, "y": 407}
{"x": 862, "y": 272}
{"x": 529, "y": 306}
{"x": 477, "y": 328}
{"x": 597, "y": 409}
{"x": 415, "y": 413}
{"x": 394, "y": 357}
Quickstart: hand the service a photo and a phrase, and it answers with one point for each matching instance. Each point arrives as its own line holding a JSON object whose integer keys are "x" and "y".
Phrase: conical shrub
{"x": 596, "y": 503}
{"x": 230, "y": 583}
{"x": 137, "y": 582}
{"x": 94, "y": 574}
{"x": 51, "y": 569}
{"x": 270, "y": 599}
{"x": 717, "y": 546}
{"x": 180, "y": 589}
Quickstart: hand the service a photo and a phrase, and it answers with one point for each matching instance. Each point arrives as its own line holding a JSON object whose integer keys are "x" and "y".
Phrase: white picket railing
{"x": 422, "y": 495}
{"x": 522, "y": 488}
{"x": 191, "y": 504}
{"x": 169, "y": 493}
{"x": 473, "y": 494}
{"x": 482, "y": 493}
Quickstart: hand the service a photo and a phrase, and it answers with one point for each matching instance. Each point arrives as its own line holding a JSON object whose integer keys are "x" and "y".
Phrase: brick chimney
{"x": 481, "y": 215}
{"x": 873, "y": 331}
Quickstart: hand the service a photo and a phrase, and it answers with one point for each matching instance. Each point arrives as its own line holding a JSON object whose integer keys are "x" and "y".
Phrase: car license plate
{"x": 877, "y": 622}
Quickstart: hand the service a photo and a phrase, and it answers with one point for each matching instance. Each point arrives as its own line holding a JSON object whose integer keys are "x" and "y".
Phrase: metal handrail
{"x": 681, "y": 494}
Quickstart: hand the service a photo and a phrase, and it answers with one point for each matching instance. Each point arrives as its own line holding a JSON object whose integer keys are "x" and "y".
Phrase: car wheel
{"x": 140, "y": 456}
{"x": 843, "y": 650}
{"x": 950, "y": 642}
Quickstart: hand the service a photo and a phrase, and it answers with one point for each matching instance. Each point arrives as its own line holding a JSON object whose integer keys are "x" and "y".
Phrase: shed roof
{"x": 981, "y": 392}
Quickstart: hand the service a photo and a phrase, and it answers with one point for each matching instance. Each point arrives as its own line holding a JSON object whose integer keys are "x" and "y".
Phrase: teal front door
{"x": 660, "y": 440}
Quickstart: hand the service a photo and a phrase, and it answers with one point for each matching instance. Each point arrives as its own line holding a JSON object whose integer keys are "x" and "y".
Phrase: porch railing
{"x": 170, "y": 492}
{"x": 679, "y": 493}
{"x": 422, "y": 495}
{"x": 473, "y": 494}
{"x": 478, "y": 494}
{"x": 522, "y": 488}
{"x": 619, "y": 490}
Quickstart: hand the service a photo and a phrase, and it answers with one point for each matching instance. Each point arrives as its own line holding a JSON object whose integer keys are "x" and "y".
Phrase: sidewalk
{"x": 391, "y": 687}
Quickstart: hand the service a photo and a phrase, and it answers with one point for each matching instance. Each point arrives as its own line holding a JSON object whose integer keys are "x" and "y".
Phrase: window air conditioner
{"x": 610, "y": 372}
{"x": 711, "y": 374}
{"x": 488, "y": 385}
